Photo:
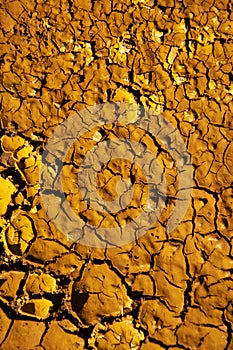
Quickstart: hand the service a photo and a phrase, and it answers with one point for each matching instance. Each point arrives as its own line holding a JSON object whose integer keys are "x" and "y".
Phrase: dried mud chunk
{"x": 208, "y": 255}
{"x": 9, "y": 282}
{"x": 24, "y": 335}
{"x": 19, "y": 234}
{"x": 148, "y": 345}
{"x": 217, "y": 295}
{"x": 172, "y": 295}
{"x": 204, "y": 205}
{"x": 68, "y": 326}
{"x": 11, "y": 144}
{"x": 229, "y": 157}
{"x": 44, "y": 250}
{"x": 119, "y": 335}
{"x": 15, "y": 8}
{"x": 166, "y": 3}
{"x": 225, "y": 213}
{"x": 4, "y": 325}
{"x": 122, "y": 95}
{"x": 46, "y": 229}
{"x": 142, "y": 283}
{"x": 229, "y": 313}
{"x": 24, "y": 152}
{"x": 30, "y": 169}
{"x": 7, "y": 189}
{"x": 162, "y": 78}
{"x": 119, "y": 74}
{"x": 8, "y": 22}
{"x": 209, "y": 316}
{"x": 219, "y": 263}
{"x": 201, "y": 337}
{"x": 38, "y": 284}
{"x": 68, "y": 264}
{"x": 159, "y": 321}
{"x": 38, "y": 308}
{"x": 226, "y": 27}
{"x": 99, "y": 293}
{"x": 169, "y": 275}
{"x": 130, "y": 259}
{"x": 56, "y": 338}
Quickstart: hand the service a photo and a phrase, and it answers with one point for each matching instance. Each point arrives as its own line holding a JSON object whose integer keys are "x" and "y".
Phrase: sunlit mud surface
{"x": 164, "y": 290}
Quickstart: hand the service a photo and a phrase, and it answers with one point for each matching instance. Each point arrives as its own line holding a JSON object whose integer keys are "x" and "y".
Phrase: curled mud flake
{"x": 39, "y": 284}
{"x": 24, "y": 335}
{"x": 100, "y": 293}
{"x": 11, "y": 143}
{"x": 10, "y": 282}
{"x": 30, "y": 169}
{"x": 56, "y": 336}
{"x": 23, "y": 153}
{"x": 19, "y": 234}
{"x": 37, "y": 308}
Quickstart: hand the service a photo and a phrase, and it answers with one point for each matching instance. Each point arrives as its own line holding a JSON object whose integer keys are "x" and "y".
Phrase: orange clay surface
{"x": 162, "y": 291}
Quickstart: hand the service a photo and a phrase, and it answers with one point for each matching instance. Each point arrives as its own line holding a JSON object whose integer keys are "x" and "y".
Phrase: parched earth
{"x": 165, "y": 290}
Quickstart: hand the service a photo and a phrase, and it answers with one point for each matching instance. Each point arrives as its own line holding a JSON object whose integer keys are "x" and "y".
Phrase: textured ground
{"x": 163, "y": 291}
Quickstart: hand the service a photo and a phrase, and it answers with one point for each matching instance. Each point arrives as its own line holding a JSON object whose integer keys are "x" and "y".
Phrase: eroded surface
{"x": 162, "y": 291}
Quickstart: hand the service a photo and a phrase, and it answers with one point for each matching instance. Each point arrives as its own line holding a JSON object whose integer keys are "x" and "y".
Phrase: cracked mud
{"x": 164, "y": 290}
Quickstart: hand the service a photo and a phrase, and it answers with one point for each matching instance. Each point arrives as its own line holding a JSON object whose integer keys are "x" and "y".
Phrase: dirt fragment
{"x": 7, "y": 190}
{"x": 21, "y": 330}
{"x": 38, "y": 284}
{"x": 20, "y": 233}
{"x": 56, "y": 335}
{"x": 10, "y": 282}
{"x": 106, "y": 297}
{"x": 38, "y": 308}
{"x": 119, "y": 335}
